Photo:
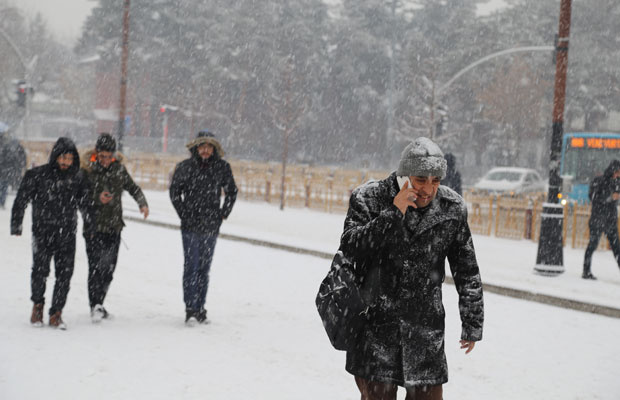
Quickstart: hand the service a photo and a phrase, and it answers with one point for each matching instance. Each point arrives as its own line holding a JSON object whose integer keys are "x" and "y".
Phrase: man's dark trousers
{"x": 61, "y": 247}
{"x": 102, "y": 250}
{"x": 611, "y": 231}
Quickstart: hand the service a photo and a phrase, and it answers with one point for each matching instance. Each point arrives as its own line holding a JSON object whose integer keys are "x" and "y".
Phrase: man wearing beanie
{"x": 55, "y": 190}
{"x": 195, "y": 192}
{"x": 402, "y": 229}
{"x": 107, "y": 177}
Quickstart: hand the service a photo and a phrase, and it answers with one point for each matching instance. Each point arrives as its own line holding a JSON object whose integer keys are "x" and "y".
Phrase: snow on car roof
{"x": 512, "y": 169}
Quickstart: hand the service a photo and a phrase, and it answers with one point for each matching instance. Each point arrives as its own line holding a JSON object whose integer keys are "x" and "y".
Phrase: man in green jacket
{"x": 108, "y": 178}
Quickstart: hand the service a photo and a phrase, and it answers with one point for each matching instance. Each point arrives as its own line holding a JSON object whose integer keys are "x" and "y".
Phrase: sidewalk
{"x": 506, "y": 265}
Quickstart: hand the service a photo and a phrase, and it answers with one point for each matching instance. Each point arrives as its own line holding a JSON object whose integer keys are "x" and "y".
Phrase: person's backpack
{"x": 341, "y": 304}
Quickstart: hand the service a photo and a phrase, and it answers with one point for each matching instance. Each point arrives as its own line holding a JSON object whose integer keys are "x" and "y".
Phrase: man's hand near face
{"x": 405, "y": 198}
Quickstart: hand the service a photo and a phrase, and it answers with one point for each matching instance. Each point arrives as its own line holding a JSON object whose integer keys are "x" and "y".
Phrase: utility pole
{"x": 124, "y": 56}
{"x": 549, "y": 260}
{"x": 432, "y": 107}
{"x": 390, "y": 120}
{"x": 164, "y": 146}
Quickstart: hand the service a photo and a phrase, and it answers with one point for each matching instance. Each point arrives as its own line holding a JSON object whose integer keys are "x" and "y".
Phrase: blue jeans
{"x": 198, "y": 252}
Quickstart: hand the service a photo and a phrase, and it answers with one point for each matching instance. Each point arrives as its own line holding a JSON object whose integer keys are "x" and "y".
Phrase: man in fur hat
{"x": 402, "y": 229}
{"x": 195, "y": 192}
{"x": 107, "y": 177}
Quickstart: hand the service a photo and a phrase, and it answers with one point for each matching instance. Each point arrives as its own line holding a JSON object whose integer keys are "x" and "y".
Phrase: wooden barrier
{"x": 480, "y": 214}
{"x": 579, "y": 230}
{"x": 510, "y": 218}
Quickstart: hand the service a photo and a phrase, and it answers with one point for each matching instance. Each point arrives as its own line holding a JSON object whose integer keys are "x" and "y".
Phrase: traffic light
{"x": 167, "y": 109}
{"x": 21, "y": 93}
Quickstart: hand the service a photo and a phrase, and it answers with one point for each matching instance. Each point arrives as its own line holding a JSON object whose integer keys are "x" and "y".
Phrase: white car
{"x": 511, "y": 180}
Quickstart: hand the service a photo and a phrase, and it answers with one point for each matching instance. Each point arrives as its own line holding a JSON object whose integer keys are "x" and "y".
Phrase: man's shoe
{"x": 191, "y": 317}
{"x": 36, "y": 318}
{"x": 56, "y": 321}
{"x": 201, "y": 317}
{"x": 588, "y": 275}
{"x": 97, "y": 313}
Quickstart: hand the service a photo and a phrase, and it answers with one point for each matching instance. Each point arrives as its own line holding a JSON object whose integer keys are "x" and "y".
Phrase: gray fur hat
{"x": 422, "y": 157}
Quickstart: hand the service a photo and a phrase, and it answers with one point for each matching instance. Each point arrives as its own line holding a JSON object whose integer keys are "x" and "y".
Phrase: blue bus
{"x": 584, "y": 156}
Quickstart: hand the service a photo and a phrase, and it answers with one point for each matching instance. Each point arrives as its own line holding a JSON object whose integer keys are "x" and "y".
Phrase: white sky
{"x": 64, "y": 17}
{"x": 492, "y": 5}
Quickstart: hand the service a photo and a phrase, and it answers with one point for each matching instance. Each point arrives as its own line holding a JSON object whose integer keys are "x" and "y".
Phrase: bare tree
{"x": 286, "y": 107}
{"x": 514, "y": 100}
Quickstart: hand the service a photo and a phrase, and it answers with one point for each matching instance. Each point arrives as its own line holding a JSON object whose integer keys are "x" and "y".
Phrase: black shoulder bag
{"x": 341, "y": 303}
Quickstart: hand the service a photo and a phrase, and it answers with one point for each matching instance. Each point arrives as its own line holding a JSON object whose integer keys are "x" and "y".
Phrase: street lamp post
{"x": 124, "y": 56}
{"x": 165, "y": 111}
{"x": 437, "y": 93}
{"x": 549, "y": 260}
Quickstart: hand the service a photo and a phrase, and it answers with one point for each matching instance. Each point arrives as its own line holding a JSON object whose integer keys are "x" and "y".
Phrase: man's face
{"x": 65, "y": 161}
{"x": 205, "y": 150}
{"x": 616, "y": 174}
{"x": 426, "y": 187}
{"x": 105, "y": 158}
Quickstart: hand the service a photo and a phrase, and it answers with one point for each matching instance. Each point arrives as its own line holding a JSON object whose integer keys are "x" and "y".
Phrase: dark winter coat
{"x": 453, "y": 177}
{"x": 604, "y": 208}
{"x": 12, "y": 161}
{"x": 403, "y": 342}
{"x": 196, "y": 189}
{"x": 55, "y": 195}
{"x": 108, "y": 218}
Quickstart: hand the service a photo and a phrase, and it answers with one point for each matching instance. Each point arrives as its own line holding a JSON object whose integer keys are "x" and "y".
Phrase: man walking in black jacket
{"x": 604, "y": 194}
{"x": 12, "y": 164}
{"x": 453, "y": 176}
{"x": 56, "y": 190}
{"x": 195, "y": 192}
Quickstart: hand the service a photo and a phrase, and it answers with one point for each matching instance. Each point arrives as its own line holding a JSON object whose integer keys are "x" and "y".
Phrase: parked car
{"x": 511, "y": 180}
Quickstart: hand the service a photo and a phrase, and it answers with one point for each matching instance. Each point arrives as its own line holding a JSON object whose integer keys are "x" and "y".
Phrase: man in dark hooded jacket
{"x": 108, "y": 178}
{"x": 12, "y": 164}
{"x": 453, "y": 176}
{"x": 56, "y": 190}
{"x": 604, "y": 194}
{"x": 195, "y": 192}
{"x": 401, "y": 230}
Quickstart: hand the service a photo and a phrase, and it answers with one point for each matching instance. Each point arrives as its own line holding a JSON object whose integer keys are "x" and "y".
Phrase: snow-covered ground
{"x": 266, "y": 341}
